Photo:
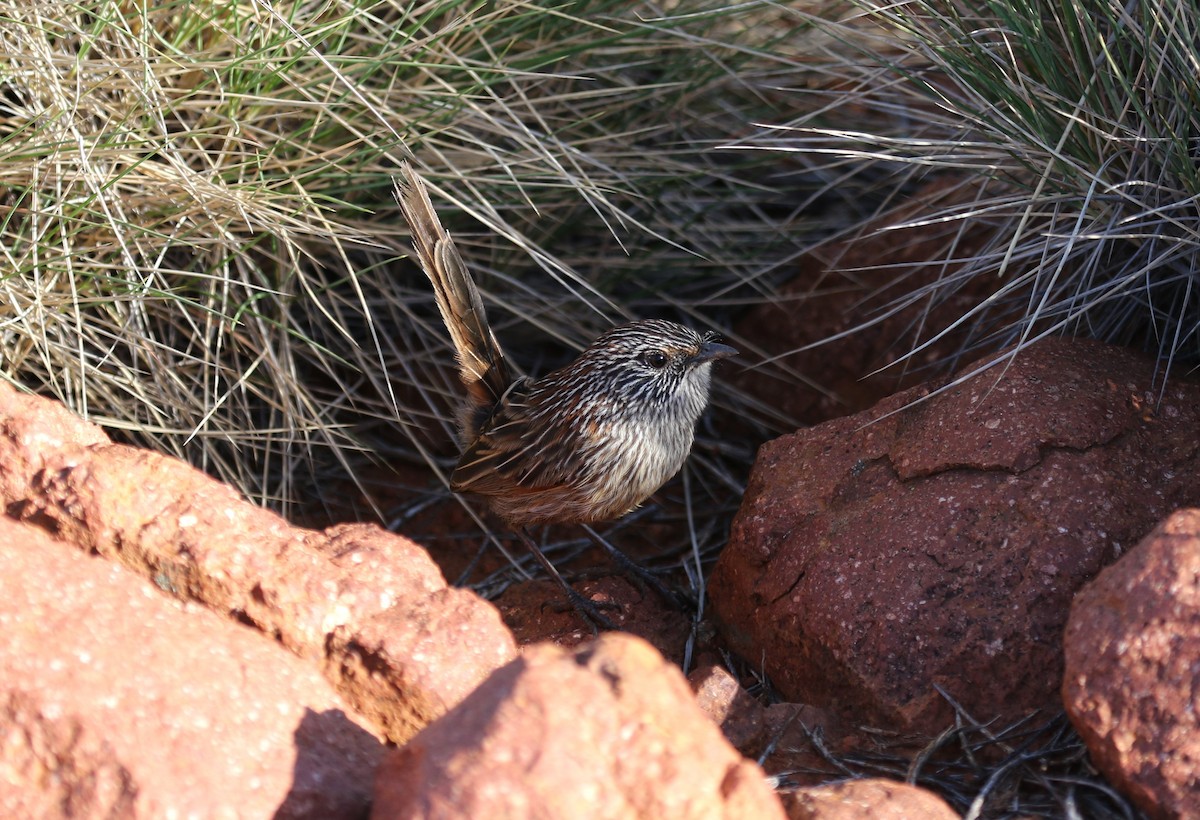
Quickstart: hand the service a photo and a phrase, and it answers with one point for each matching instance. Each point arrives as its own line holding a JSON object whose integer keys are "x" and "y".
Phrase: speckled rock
{"x": 870, "y": 799}
{"x": 742, "y": 718}
{"x": 609, "y": 730}
{"x": 33, "y": 430}
{"x": 196, "y": 539}
{"x": 939, "y": 542}
{"x": 1132, "y": 645}
{"x": 118, "y": 701}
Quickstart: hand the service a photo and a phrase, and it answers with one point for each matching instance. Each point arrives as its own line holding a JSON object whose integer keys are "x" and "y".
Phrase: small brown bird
{"x": 586, "y": 443}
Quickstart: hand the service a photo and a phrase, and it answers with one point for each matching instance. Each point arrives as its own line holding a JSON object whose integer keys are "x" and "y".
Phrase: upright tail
{"x": 481, "y": 363}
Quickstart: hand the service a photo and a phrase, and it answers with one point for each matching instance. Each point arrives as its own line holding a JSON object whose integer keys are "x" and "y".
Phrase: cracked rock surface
{"x": 936, "y": 540}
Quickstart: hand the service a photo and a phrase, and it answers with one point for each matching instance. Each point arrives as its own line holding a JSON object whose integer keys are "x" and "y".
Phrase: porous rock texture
{"x": 741, "y": 717}
{"x": 118, "y": 701}
{"x": 938, "y": 542}
{"x": 1132, "y": 652}
{"x": 868, "y": 799}
{"x": 609, "y": 730}
{"x": 369, "y": 606}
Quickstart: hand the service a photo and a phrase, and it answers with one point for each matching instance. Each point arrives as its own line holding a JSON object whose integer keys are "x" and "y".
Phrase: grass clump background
{"x": 201, "y": 251}
{"x": 200, "y": 246}
{"x": 1070, "y": 131}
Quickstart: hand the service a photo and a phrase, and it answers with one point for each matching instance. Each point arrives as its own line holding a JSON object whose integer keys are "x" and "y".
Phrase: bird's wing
{"x": 517, "y": 451}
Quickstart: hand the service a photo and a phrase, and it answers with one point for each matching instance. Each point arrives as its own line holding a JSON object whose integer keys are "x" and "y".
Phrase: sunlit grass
{"x": 200, "y": 249}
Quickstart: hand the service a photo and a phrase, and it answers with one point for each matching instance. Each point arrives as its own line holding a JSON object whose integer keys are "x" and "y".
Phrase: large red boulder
{"x": 937, "y": 539}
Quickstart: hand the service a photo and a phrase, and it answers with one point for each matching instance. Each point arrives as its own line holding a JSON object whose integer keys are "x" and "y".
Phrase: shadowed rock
{"x": 878, "y": 556}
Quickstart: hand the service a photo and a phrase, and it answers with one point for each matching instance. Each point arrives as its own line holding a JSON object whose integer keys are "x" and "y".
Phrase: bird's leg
{"x": 639, "y": 574}
{"x": 586, "y": 608}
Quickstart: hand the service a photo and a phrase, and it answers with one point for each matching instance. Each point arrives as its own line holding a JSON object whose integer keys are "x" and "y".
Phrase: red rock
{"x": 32, "y": 430}
{"x": 191, "y": 535}
{"x": 609, "y": 730}
{"x": 116, "y": 700}
{"x": 790, "y": 738}
{"x": 198, "y": 540}
{"x": 411, "y": 662}
{"x": 728, "y": 705}
{"x": 879, "y": 555}
{"x": 1132, "y": 645}
{"x": 55, "y": 767}
{"x": 870, "y": 799}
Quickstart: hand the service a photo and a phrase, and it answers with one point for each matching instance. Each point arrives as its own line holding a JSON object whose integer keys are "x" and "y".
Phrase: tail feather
{"x": 481, "y": 363}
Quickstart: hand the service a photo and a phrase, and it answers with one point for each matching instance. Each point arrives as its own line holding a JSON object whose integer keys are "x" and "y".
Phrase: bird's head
{"x": 652, "y": 365}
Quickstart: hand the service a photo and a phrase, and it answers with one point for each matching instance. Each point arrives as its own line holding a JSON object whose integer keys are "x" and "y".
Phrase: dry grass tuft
{"x": 1074, "y": 125}
{"x": 200, "y": 246}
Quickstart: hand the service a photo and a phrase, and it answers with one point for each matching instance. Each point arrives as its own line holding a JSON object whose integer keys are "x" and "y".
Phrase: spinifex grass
{"x": 1074, "y": 123}
{"x": 199, "y": 241}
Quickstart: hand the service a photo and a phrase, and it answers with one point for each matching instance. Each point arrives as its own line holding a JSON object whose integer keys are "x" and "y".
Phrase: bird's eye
{"x": 654, "y": 358}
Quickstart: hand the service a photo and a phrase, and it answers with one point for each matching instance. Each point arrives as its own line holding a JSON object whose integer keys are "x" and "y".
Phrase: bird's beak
{"x": 711, "y": 351}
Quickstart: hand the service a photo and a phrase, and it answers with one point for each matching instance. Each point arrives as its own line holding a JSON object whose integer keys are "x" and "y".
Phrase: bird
{"x": 584, "y": 444}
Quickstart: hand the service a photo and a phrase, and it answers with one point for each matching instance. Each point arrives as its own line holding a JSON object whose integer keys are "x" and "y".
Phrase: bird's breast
{"x": 631, "y": 459}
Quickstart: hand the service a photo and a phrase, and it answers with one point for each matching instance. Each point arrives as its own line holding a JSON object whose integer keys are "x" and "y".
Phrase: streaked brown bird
{"x": 584, "y": 444}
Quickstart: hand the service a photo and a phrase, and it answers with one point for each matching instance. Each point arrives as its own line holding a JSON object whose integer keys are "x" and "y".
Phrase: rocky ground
{"x": 1019, "y": 544}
